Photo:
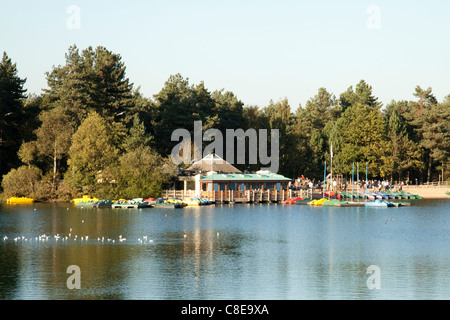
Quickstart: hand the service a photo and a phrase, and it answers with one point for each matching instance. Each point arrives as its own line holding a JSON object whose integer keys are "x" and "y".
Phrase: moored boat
{"x": 174, "y": 201}
{"x": 203, "y": 201}
{"x": 86, "y": 204}
{"x": 19, "y": 200}
{"x": 401, "y": 204}
{"x": 332, "y": 202}
{"x": 317, "y": 202}
{"x": 192, "y": 202}
{"x": 292, "y": 200}
{"x": 378, "y": 203}
{"x": 161, "y": 203}
{"x": 104, "y": 203}
{"x": 380, "y": 195}
{"x": 84, "y": 199}
{"x": 302, "y": 201}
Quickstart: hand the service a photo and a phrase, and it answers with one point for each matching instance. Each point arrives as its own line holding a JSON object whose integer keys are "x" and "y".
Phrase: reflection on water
{"x": 225, "y": 252}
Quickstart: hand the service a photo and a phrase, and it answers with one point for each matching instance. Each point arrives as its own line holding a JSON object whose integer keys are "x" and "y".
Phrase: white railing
{"x": 239, "y": 196}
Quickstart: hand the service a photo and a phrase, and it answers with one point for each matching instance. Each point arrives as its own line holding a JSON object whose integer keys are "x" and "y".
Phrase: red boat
{"x": 292, "y": 200}
{"x": 332, "y": 195}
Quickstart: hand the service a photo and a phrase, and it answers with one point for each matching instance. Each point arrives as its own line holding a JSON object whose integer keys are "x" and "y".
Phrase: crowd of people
{"x": 303, "y": 183}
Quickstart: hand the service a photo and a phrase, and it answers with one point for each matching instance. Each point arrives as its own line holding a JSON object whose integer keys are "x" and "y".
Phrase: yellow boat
{"x": 317, "y": 202}
{"x": 171, "y": 200}
{"x": 191, "y": 202}
{"x": 84, "y": 199}
{"x": 21, "y": 200}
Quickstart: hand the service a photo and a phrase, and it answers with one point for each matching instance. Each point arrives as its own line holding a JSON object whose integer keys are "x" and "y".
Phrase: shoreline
{"x": 428, "y": 192}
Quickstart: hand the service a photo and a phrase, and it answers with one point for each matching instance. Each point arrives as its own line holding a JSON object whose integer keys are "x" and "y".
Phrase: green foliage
{"x": 178, "y": 105}
{"x": 21, "y": 182}
{"x": 361, "y": 138}
{"x": 142, "y": 172}
{"x": 95, "y": 147}
{"x": 54, "y": 136}
{"x": 28, "y": 152}
{"x": 12, "y": 96}
{"x": 93, "y": 80}
{"x": 137, "y": 135}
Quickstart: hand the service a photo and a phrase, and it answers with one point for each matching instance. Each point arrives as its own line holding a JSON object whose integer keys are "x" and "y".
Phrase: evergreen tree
{"x": 317, "y": 118}
{"x": 403, "y": 153}
{"x": 435, "y": 131}
{"x": 93, "y": 80}
{"x": 12, "y": 96}
{"x": 279, "y": 116}
{"x": 361, "y": 137}
{"x": 177, "y": 106}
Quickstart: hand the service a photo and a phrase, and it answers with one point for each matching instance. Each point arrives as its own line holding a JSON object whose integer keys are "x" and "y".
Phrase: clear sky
{"x": 260, "y": 49}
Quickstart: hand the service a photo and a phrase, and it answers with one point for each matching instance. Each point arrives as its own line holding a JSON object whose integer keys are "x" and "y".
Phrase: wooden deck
{"x": 249, "y": 196}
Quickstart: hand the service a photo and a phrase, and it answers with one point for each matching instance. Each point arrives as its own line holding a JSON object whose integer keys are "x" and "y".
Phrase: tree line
{"x": 92, "y": 131}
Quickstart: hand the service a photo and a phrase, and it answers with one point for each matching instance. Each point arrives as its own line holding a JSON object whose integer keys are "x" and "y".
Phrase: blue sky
{"x": 260, "y": 50}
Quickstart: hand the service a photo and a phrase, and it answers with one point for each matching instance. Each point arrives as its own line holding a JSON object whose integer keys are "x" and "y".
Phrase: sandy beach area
{"x": 429, "y": 192}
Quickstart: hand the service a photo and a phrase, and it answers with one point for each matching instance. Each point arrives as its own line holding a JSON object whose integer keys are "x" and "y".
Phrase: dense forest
{"x": 91, "y": 131}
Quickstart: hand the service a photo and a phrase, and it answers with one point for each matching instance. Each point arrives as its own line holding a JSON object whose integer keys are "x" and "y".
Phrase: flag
{"x": 331, "y": 150}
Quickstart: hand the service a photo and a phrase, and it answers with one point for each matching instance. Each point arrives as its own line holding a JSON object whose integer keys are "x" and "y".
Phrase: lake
{"x": 256, "y": 251}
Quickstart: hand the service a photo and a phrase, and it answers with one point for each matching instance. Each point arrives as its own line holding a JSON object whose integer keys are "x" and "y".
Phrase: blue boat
{"x": 370, "y": 195}
{"x": 378, "y": 203}
{"x": 381, "y": 195}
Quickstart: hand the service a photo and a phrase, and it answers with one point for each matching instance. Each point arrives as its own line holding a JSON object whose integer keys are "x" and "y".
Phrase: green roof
{"x": 245, "y": 177}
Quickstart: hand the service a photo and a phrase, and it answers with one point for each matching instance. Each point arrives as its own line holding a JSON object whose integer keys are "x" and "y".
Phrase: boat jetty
{"x": 138, "y": 203}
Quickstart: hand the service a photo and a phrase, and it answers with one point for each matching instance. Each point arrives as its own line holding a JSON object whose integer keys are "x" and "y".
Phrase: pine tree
{"x": 93, "y": 80}
{"x": 12, "y": 96}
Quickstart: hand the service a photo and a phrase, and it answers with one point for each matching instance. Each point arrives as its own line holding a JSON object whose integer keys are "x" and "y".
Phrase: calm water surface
{"x": 236, "y": 252}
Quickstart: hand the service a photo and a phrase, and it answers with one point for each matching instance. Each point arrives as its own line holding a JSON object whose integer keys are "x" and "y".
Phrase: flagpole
{"x": 324, "y": 179}
{"x": 353, "y": 174}
{"x": 331, "y": 165}
{"x": 357, "y": 179}
{"x": 366, "y": 179}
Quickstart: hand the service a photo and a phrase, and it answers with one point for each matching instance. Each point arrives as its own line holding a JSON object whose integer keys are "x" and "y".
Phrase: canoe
{"x": 378, "y": 203}
{"x": 19, "y": 200}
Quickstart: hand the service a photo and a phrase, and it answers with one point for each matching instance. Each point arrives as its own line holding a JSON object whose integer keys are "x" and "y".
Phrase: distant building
{"x": 212, "y": 173}
{"x": 212, "y": 162}
{"x": 260, "y": 181}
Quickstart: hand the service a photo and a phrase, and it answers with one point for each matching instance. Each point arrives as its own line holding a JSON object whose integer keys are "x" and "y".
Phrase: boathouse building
{"x": 215, "y": 179}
